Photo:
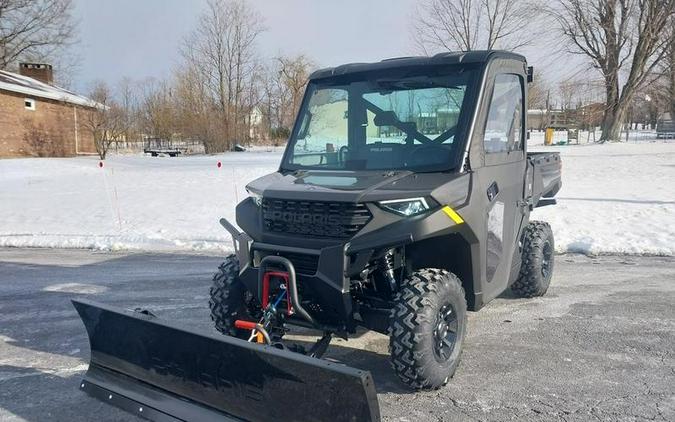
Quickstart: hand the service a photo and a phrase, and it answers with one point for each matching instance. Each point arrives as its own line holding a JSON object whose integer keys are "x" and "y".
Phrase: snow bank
{"x": 617, "y": 198}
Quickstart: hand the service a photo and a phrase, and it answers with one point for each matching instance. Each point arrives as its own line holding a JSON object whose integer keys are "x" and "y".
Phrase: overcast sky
{"x": 139, "y": 38}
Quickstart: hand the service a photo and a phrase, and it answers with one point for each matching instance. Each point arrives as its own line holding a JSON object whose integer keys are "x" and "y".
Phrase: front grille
{"x": 313, "y": 218}
{"x": 306, "y": 264}
{"x": 303, "y": 263}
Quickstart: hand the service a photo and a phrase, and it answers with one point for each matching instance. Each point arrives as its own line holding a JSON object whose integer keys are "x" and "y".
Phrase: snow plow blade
{"x": 161, "y": 371}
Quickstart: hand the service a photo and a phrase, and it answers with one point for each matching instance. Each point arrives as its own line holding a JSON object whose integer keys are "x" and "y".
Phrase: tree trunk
{"x": 614, "y": 109}
{"x": 612, "y": 123}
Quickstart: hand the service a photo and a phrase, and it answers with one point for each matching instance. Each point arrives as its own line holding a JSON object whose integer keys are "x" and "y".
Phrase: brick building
{"x": 40, "y": 119}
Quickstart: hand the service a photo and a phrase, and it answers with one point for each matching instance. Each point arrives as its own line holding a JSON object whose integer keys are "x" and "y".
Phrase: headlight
{"x": 256, "y": 196}
{"x": 406, "y": 207}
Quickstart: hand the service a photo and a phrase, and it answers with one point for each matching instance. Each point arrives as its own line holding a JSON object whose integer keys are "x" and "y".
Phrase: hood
{"x": 349, "y": 186}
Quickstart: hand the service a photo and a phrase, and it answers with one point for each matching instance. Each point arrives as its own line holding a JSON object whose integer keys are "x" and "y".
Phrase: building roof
{"x": 449, "y": 58}
{"x": 13, "y": 82}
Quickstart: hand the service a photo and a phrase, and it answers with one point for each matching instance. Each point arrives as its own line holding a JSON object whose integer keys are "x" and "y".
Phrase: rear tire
{"x": 537, "y": 260}
{"x": 427, "y": 328}
{"x": 230, "y": 300}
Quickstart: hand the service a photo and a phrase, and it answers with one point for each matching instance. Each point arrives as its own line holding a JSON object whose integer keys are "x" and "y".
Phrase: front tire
{"x": 537, "y": 260}
{"x": 230, "y": 300}
{"x": 427, "y": 328}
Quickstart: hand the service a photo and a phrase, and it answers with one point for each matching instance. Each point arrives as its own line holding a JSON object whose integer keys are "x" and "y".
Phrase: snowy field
{"x": 616, "y": 199}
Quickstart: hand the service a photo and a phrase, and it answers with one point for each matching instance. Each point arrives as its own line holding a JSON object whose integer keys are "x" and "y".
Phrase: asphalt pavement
{"x": 598, "y": 346}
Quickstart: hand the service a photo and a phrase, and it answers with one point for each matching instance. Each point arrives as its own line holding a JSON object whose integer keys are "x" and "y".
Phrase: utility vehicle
{"x": 402, "y": 201}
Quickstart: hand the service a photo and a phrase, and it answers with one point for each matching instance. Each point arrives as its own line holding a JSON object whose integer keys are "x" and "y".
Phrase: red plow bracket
{"x": 269, "y": 265}
{"x": 266, "y": 279}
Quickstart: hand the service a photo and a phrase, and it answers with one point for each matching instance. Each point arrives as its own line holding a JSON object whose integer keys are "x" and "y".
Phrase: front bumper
{"x": 321, "y": 275}
{"x": 321, "y": 280}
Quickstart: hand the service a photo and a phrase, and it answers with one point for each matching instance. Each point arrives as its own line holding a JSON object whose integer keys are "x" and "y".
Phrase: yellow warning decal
{"x": 453, "y": 215}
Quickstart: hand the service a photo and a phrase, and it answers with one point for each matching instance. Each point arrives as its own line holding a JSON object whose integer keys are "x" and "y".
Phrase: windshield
{"x": 412, "y": 123}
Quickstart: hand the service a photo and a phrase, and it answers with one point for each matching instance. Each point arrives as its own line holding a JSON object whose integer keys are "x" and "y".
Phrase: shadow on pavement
{"x": 378, "y": 364}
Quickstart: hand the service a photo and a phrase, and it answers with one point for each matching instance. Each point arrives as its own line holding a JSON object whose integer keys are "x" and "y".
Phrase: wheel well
{"x": 451, "y": 252}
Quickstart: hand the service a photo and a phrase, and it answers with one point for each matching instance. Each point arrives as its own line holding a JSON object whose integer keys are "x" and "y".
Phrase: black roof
{"x": 449, "y": 58}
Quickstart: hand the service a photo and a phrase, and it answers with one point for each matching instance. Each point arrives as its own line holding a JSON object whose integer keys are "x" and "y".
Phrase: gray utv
{"x": 402, "y": 201}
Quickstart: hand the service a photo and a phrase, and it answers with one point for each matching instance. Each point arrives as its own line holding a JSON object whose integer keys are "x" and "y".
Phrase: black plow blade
{"x": 164, "y": 372}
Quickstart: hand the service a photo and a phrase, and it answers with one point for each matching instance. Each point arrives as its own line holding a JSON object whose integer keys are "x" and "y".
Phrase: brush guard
{"x": 278, "y": 293}
{"x": 268, "y": 268}
{"x": 162, "y": 371}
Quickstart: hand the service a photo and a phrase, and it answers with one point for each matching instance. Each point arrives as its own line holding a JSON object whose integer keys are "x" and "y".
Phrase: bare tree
{"x": 273, "y": 93}
{"x": 128, "y": 98}
{"x": 659, "y": 90}
{"x": 619, "y": 36}
{"x": 537, "y": 93}
{"x": 106, "y": 121}
{"x": 194, "y": 108}
{"x": 281, "y": 86}
{"x": 158, "y": 113}
{"x": 567, "y": 91}
{"x": 222, "y": 51}
{"x": 473, "y": 24}
{"x": 34, "y": 29}
{"x": 194, "y": 112}
{"x": 670, "y": 67}
{"x": 294, "y": 74}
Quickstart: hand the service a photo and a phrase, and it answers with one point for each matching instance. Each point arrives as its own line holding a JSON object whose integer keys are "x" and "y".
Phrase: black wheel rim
{"x": 445, "y": 333}
{"x": 546, "y": 260}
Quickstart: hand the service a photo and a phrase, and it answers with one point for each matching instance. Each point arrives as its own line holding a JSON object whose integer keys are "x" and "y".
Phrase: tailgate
{"x": 544, "y": 175}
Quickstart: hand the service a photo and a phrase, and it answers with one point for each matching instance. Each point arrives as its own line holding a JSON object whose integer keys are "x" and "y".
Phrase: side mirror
{"x": 530, "y": 74}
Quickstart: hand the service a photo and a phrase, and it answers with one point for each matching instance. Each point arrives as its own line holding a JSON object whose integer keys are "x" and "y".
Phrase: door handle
{"x": 492, "y": 191}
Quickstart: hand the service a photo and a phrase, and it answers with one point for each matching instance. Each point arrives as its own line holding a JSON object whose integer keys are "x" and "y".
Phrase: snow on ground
{"x": 616, "y": 198}
{"x": 133, "y": 202}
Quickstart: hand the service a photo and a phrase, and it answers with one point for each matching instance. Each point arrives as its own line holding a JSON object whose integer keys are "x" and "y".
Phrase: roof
{"x": 449, "y": 58}
{"x": 32, "y": 87}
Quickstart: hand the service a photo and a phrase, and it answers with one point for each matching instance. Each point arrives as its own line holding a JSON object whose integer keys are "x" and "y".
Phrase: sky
{"x": 140, "y": 38}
